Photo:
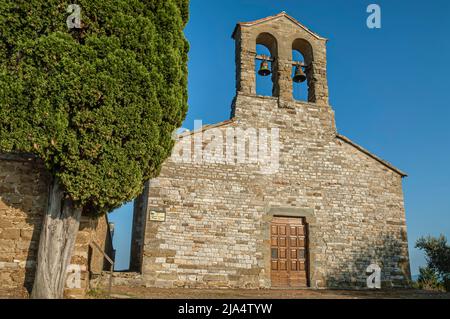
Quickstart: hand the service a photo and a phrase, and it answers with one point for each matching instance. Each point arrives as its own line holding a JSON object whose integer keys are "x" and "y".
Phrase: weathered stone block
{"x": 10, "y": 233}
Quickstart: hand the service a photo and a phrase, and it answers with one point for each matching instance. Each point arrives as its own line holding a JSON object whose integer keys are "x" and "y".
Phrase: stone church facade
{"x": 273, "y": 197}
{"x": 328, "y": 211}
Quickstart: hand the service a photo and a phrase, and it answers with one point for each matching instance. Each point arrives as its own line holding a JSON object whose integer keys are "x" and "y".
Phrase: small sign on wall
{"x": 157, "y": 216}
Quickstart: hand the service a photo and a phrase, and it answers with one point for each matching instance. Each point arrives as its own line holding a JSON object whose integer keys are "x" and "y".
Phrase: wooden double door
{"x": 289, "y": 254}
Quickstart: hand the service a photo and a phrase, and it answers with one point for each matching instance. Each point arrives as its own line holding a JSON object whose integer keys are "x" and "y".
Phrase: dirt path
{"x": 154, "y": 293}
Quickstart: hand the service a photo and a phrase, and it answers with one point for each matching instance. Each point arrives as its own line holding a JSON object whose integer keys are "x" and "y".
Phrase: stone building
{"x": 273, "y": 197}
{"x": 24, "y": 189}
{"x": 324, "y": 211}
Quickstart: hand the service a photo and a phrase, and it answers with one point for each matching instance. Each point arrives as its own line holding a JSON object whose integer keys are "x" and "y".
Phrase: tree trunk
{"x": 56, "y": 245}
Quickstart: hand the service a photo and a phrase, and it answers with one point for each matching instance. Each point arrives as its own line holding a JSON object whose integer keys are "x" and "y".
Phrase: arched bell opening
{"x": 266, "y": 65}
{"x": 299, "y": 78}
{"x": 303, "y": 71}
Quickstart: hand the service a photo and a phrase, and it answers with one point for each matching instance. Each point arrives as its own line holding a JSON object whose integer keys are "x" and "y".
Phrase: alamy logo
{"x": 74, "y": 276}
{"x": 230, "y": 146}
{"x": 374, "y": 19}
{"x": 374, "y": 279}
{"x": 74, "y": 20}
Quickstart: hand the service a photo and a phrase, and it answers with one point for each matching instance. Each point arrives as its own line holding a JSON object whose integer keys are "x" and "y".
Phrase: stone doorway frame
{"x": 310, "y": 219}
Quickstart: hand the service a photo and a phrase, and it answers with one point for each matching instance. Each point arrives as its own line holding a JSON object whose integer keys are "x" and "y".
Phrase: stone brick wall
{"x": 23, "y": 200}
{"x": 24, "y": 185}
{"x": 216, "y": 232}
{"x": 90, "y": 259}
{"x": 218, "y": 216}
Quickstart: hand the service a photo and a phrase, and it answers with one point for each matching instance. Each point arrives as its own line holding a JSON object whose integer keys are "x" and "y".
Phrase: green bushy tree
{"x": 96, "y": 103}
{"x": 437, "y": 253}
{"x": 428, "y": 279}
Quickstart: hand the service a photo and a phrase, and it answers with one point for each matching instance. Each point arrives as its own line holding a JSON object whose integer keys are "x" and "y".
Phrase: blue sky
{"x": 389, "y": 88}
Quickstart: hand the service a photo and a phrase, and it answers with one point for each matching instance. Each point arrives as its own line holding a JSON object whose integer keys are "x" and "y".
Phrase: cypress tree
{"x": 96, "y": 103}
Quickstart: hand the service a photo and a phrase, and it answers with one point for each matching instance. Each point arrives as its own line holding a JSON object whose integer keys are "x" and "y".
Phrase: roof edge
{"x": 206, "y": 127}
{"x": 281, "y": 14}
{"x": 363, "y": 150}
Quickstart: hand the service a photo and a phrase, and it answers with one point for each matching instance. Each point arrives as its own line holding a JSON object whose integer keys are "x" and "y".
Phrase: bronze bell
{"x": 264, "y": 68}
{"x": 299, "y": 75}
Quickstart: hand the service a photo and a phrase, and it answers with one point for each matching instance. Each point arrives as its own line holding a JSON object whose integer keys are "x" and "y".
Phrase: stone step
{"x": 130, "y": 279}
